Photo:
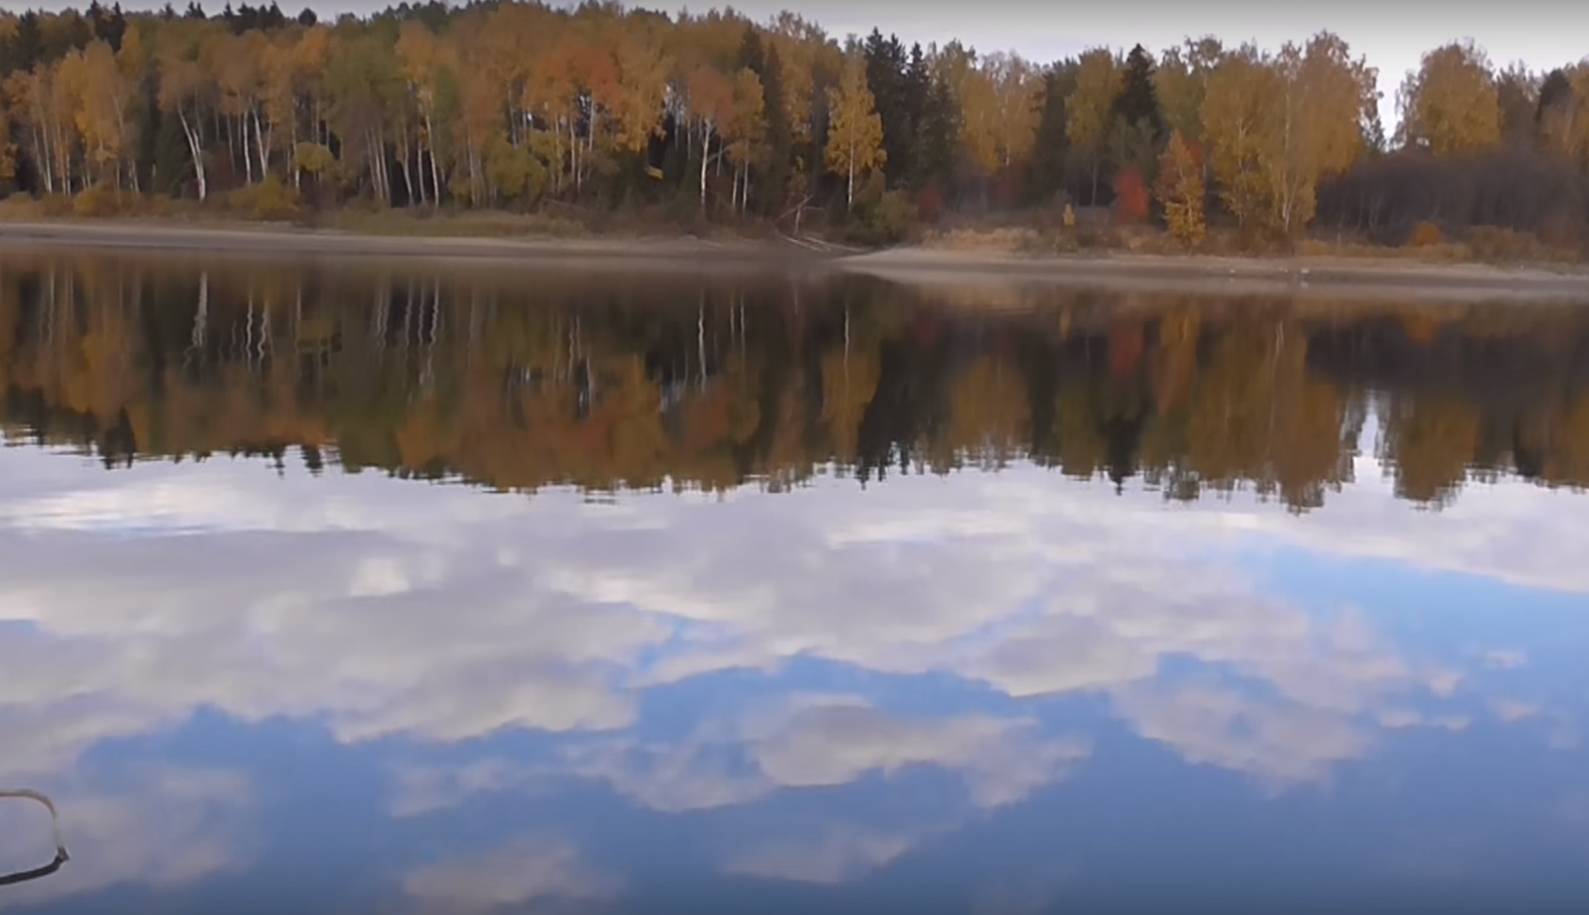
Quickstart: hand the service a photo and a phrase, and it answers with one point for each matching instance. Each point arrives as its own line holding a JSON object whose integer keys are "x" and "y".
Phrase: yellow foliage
{"x": 855, "y": 132}
{"x": 1180, "y": 190}
{"x": 1452, "y": 104}
{"x": 269, "y": 200}
{"x": 96, "y": 201}
{"x": 1426, "y": 234}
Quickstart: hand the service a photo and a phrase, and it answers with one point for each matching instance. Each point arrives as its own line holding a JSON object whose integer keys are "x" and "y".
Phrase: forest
{"x": 675, "y": 381}
{"x": 712, "y": 119}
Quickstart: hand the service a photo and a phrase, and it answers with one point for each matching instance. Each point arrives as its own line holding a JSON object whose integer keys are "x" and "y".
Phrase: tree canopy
{"x": 519, "y": 105}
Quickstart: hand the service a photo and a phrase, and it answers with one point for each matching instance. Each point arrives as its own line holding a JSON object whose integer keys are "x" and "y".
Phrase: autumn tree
{"x": 1236, "y": 120}
{"x": 186, "y": 91}
{"x": 746, "y": 135}
{"x": 1016, "y": 88}
{"x": 1180, "y": 83}
{"x": 1451, "y": 105}
{"x": 1314, "y": 125}
{"x": 1180, "y": 189}
{"x": 855, "y": 132}
{"x": 1090, "y": 107}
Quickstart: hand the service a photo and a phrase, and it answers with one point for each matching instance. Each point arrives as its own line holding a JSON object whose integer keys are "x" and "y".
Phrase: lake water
{"x": 350, "y": 587}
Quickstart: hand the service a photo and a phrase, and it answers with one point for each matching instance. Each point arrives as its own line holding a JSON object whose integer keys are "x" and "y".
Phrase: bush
{"x": 879, "y": 217}
{"x": 1426, "y": 235}
{"x": 96, "y": 201}
{"x": 270, "y": 200}
{"x": 20, "y": 206}
{"x": 1490, "y": 243}
{"x": 1131, "y": 198}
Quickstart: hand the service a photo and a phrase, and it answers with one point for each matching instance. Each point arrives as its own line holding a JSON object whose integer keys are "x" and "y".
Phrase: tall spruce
{"x": 1051, "y": 148}
{"x": 938, "y": 136}
{"x": 916, "y": 89}
{"x": 763, "y": 60}
{"x": 885, "y": 76}
{"x": 1138, "y": 101}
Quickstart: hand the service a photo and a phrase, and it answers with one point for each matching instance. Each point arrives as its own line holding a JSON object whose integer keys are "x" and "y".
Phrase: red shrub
{"x": 1131, "y": 197}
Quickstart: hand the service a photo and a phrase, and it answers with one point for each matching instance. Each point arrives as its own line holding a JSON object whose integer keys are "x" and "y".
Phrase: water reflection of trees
{"x": 522, "y": 382}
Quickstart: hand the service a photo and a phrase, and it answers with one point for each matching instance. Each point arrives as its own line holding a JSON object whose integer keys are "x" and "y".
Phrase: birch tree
{"x": 855, "y": 132}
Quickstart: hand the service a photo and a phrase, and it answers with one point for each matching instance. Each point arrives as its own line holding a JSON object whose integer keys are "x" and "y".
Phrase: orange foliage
{"x": 1131, "y": 197}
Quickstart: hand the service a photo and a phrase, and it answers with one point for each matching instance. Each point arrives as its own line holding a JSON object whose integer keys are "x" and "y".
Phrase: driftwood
{"x": 61, "y": 857}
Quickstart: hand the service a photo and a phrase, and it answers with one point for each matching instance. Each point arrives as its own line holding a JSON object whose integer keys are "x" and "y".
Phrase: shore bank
{"x": 241, "y": 238}
{"x": 1335, "y": 276}
{"x": 967, "y": 271}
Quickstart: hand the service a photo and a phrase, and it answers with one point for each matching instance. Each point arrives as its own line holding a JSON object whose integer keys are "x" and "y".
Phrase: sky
{"x": 1540, "y": 33}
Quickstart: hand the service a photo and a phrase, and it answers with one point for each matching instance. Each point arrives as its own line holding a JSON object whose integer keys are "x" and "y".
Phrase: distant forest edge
{"x": 703, "y": 120}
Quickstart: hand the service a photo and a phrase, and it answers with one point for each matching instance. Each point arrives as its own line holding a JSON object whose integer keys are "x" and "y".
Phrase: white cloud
{"x": 524, "y": 870}
{"x": 384, "y": 607}
{"x": 157, "y": 826}
{"x": 835, "y": 743}
{"x": 805, "y": 742}
{"x": 1513, "y": 710}
{"x": 839, "y": 855}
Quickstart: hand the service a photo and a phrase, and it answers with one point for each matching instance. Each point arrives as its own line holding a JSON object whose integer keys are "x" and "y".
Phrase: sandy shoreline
{"x": 966, "y": 270}
{"x": 235, "y": 238}
{"x": 1340, "y": 277}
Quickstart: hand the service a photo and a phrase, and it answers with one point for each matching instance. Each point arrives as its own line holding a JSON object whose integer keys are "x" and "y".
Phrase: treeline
{"x": 517, "y": 105}
{"x": 670, "y": 380}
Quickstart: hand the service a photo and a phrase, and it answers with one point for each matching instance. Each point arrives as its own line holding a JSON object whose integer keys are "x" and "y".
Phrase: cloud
{"x": 440, "y": 613}
{"x": 524, "y": 870}
{"x": 1513, "y": 710}
{"x": 804, "y": 742}
{"x": 156, "y": 826}
{"x": 1000, "y": 760}
{"x": 840, "y": 855}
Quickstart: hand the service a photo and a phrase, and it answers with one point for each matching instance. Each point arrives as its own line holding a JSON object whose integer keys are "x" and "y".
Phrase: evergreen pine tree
{"x": 1051, "y": 147}
{"x": 938, "y": 136}
{"x": 916, "y": 89}
{"x": 1138, "y": 101}
{"x": 764, "y": 62}
{"x": 885, "y": 77}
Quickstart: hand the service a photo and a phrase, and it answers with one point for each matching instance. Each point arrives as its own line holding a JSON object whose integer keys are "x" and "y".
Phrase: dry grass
{"x": 1032, "y": 235}
{"x": 1485, "y": 244}
{"x": 412, "y": 224}
{"x": 102, "y": 203}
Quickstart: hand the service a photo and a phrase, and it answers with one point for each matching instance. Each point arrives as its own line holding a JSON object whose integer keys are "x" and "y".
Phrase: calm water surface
{"x": 350, "y": 588}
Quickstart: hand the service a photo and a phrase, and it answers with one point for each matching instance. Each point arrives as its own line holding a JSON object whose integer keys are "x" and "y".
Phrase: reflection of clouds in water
{"x": 525, "y": 870}
{"x": 444, "y": 613}
{"x": 441, "y": 613}
{"x": 807, "y": 743}
{"x": 827, "y": 744}
{"x": 840, "y": 854}
{"x": 159, "y": 827}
